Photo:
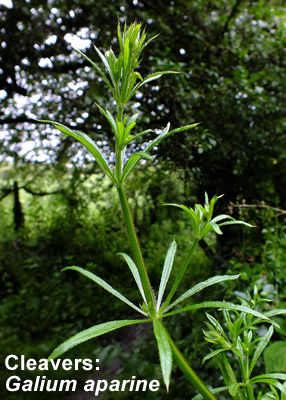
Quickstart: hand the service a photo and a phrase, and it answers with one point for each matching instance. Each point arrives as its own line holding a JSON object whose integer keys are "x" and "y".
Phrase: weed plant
{"x": 121, "y": 76}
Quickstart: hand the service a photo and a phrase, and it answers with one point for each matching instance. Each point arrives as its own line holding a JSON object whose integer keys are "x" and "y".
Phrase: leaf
{"x": 218, "y": 305}
{"x": 106, "y": 64}
{"x": 275, "y": 357}
{"x": 109, "y": 118}
{"x": 166, "y": 272}
{"x": 132, "y": 162}
{"x": 105, "y": 286}
{"x": 195, "y": 222}
{"x": 135, "y": 274}
{"x": 221, "y": 217}
{"x": 277, "y": 311}
{"x": 216, "y": 228}
{"x": 149, "y": 78}
{"x": 212, "y": 354}
{"x": 271, "y": 376}
{"x": 165, "y": 352}
{"x": 260, "y": 348}
{"x": 101, "y": 73}
{"x": 233, "y": 388}
{"x": 138, "y": 135}
{"x": 200, "y": 286}
{"x": 91, "y": 333}
{"x": 165, "y": 133}
{"x": 88, "y": 143}
{"x": 270, "y": 382}
{"x": 236, "y": 222}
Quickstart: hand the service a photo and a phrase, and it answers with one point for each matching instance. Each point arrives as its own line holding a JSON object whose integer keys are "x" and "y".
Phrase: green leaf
{"x": 105, "y": 286}
{"x": 236, "y": 222}
{"x": 88, "y": 143}
{"x": 152, "y": 77}
{"x": 200, "y": 286}
{"x": 109, "y": 118}
{"x": 221, "y": 217}
{"x": 106, "y": 64}
{"x": 165, "y": 133}
{"x": 212, "y": 354}
{"x": 135, "y": 274}
{"x": 218, "y": 305}
{"x": 271, "y": 376}
{"x": 277, "y": 311}
{"x": 138, "y": 135}
{"x": 195, "y": 222}
{"x": 166, "y": 272}
{"x": 260, "y": 348}
{"x": 216, "y": 228}
{"x": 91, "y": 333}
{"x": 233, "y": 388}
{"x": 270, "y": 382}
{"x": 101, "y": 73}
{"x": 165, "y": 352}
{"x": 132, "y": 162}
{"x": 275, "y": 357}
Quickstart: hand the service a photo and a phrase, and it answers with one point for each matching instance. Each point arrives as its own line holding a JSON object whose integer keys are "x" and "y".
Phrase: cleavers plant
{"x": 238, "y": 343}
{"x": 120, "y": 75}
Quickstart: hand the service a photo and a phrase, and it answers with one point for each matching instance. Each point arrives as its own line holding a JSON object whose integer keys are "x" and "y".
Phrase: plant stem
{"x": 180, "y": 275}
{"x": 137, "y": 251}
{"x": 188, "y": 371}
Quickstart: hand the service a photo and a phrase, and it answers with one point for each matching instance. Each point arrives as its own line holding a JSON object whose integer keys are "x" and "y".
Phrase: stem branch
{"x": 137, "y": 251}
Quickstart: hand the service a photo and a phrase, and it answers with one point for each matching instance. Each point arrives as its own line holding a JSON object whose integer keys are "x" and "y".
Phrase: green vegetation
{"x": 58, "y": 210}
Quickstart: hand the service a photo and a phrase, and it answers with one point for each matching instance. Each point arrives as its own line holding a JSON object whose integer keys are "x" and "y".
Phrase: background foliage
{"x": 56, "y": 209}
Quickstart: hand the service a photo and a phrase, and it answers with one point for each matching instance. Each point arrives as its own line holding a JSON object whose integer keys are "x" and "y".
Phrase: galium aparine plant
{"x": 119, "y": 73}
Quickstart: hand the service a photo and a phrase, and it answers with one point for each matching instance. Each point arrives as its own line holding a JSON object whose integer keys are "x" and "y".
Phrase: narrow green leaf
{"x": 126, "y": 55}
{"x": 216, "y": 228}
{"x": 236, "y": 222}
{"x": 221, "y": 217}
{"x": 135, "y": 273}
{"x": 212, "y": 354}
{"x": 270, "y": 376}
{"x": 105, "y": 286}
{"x": 271, "y": 382}
{"x": 195, "y": 222}
{"x": 88, "y": 143}
{"x": 109, "y": 118}
{"x": 132, "y": 162}
{"x": 222, "y": 305}
{"x": 101, "y": 73}
{"x": 260, "y": 348}
{"x": 169, "y": 260}
{"x": 233, "y": 388}
{"x": 106, "y": 64}
{"x": 165, "y": 351}
{"x": 153, "y": 76}
{"x": 272, "y": 313}
{"x": 132, "y": 138}
{"x": 91, "y": 333}
{"x": 200, "y": 286}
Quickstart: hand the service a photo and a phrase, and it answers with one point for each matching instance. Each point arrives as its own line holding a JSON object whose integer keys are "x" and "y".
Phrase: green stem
{"x": 180, "y": 275}
{"x": 188, "y": 371}
{"x": 137, "y": 251}
{"x": 245, "y": 376}
{"x": 118, "y": 149}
